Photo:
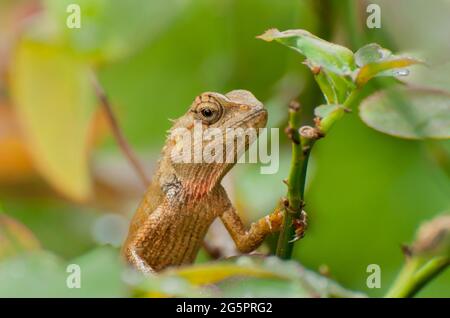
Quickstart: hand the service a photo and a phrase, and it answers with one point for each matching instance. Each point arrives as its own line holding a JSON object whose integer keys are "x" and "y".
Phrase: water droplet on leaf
{"x": 400, "y": 72}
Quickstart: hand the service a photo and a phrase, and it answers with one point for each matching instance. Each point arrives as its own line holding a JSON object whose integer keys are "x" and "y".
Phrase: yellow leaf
{"x": 214, "y": 272}
{"x": 54, "y": 100}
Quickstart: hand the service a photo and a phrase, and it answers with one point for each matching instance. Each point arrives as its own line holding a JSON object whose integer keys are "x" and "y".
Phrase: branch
{"x": 414, "y": 276}
{"x": 303, "y": 140}
{"x": 117, "y": 132}
{"x": 295, "y": 183}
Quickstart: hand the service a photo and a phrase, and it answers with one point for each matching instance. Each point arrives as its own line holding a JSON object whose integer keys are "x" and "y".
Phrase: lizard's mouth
{"x": 256, "y": 119}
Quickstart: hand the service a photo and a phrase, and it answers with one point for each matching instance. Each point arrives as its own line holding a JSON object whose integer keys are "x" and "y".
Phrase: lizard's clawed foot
{"x": 275, "y": 220}
{"x": 300, "y": 224}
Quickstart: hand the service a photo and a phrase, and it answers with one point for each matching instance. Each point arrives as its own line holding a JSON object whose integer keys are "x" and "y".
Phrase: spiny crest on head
{"x": 206, "y": 97}
{"x": 169, "y": 131}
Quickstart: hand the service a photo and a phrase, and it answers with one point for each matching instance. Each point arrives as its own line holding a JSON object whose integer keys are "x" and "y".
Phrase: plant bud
{"x": 433, "y": 238}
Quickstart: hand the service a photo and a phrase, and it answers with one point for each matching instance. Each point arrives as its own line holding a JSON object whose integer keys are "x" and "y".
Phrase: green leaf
{"x": 334, "y": 87}
{"x": 262, "y": 288}
{"x": 102, "y": 273}
{"x": 34, "y": 274}
{"x": 374, "y": 60}
{"x": 329, "y": 56}
{"x": 342, "y": 85}
{"x": 323, "y": 111}
{"x": 52, "y": 219}
{"x": 327, "y": 87}
{"x": 328, "y": 115}
{"x": 371, "y": 53}
{"x": 42, "y": 274}
{"x": 54, "y": 101}
{"x": 409, "y": 113}
{"x": 330, "y": 63}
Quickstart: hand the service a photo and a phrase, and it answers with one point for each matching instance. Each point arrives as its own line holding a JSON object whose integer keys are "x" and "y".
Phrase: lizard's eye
{"x": 206, "y": 112}
{"x": 209, "y": 112}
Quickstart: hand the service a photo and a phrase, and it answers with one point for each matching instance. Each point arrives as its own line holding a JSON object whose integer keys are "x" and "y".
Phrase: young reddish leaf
{"x": 375, "y": 60}
{"x": 370, "y": 70}
{"x": 54, "y": 103}
{"x": 15, "y": 237}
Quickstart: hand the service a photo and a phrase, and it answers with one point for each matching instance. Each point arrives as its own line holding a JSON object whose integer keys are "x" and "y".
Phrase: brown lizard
{"x": 183, "y": 199}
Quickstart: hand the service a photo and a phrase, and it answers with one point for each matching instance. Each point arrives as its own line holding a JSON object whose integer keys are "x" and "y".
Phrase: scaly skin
{"x": 184, "y": 198}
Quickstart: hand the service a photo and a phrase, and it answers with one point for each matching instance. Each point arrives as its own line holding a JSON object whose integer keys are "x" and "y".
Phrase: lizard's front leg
{"x": 248, "y": 240}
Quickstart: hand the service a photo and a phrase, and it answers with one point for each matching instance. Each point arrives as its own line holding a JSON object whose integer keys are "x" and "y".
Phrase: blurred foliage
{"x": 15, "y": 237}
{"x": 107, "y": 26}
{"x": 367, "y": 192}
{"x": 42, "y": 274}
{"x": 54, "y": 102}
{"x": 245, "y": 276}
{"x": 409, "y": 113}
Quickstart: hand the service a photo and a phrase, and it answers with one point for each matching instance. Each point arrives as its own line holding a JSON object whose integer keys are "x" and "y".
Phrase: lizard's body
{"x": 171, "y": 233}
{"x": 185, "y": 198}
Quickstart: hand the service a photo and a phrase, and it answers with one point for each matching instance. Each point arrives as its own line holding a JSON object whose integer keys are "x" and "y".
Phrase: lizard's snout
{"x": 259, "y": 119}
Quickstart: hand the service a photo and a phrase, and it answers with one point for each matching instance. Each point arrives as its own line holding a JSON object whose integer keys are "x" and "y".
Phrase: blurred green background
{"x": 367, "y": 192}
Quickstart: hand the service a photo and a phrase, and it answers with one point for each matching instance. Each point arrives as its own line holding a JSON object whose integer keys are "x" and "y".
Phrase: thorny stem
{"x": 117, "y": 132}
{"x": 415, "y": 274}
{"x": 295, "y": 185}
{"x": 296, "y": 182}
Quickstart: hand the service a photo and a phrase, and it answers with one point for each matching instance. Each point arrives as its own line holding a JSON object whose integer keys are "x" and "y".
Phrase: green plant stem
{"x": 415, "y": 274}
{"x": 295, "y": 188}
{"x": 349, "y": 104}
{"x": 298, "y": 171}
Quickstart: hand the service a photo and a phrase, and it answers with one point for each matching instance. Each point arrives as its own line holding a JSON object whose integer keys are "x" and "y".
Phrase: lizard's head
{"x": 236, "y": 109}
{"x": 220, "y": 129}
{"x": 233, "y": 120}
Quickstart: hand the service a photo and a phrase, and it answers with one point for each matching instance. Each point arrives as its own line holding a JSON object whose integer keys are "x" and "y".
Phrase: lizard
{"x": 183, "y": 199}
